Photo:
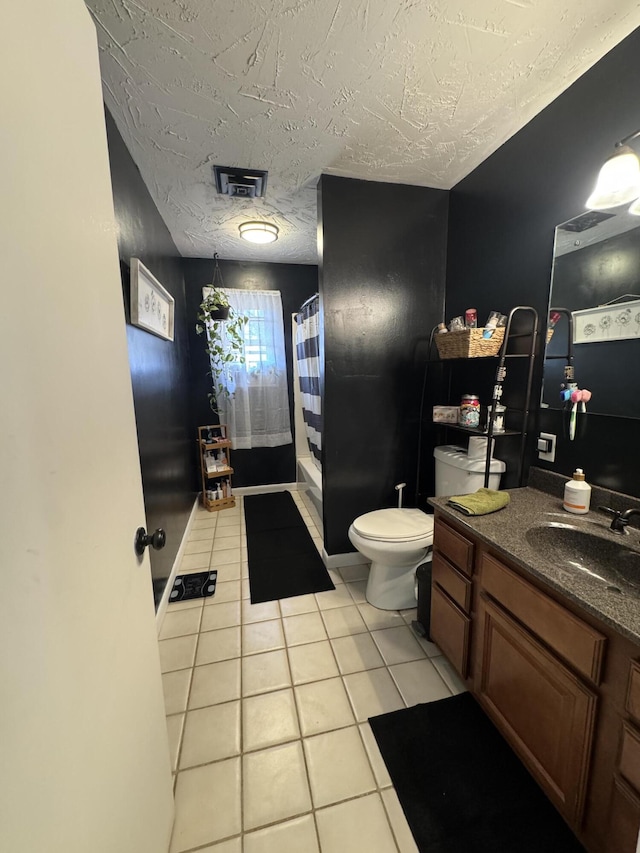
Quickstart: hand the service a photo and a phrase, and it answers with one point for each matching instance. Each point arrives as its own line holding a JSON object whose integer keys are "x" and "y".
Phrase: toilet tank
{"x": 458, "y": 474}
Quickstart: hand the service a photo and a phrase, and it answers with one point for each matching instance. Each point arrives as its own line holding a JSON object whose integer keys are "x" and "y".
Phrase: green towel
{"x": 481, "y": 502}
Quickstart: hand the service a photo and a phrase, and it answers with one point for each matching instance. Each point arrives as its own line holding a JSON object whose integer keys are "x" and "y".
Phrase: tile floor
{"x": 267, "y": 708}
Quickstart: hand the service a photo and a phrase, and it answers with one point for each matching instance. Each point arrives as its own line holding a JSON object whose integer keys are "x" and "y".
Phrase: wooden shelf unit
{"x": 218, "y": 434}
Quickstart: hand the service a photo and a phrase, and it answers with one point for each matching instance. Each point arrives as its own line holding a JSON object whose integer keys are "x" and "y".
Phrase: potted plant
{"x": 224, "y": 338}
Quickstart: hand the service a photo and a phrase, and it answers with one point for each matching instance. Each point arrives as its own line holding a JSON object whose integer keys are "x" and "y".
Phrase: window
{"x": 257, "y": 411}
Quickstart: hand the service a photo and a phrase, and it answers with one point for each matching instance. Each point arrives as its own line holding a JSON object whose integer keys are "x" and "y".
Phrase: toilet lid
{"x": 402, "y": 525}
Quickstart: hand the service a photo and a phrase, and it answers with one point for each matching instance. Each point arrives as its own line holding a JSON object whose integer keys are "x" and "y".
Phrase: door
{"x": 84, "y": 758}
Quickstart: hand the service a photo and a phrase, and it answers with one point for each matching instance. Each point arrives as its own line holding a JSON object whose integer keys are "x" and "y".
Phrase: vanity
{"x": 550, "y": 650}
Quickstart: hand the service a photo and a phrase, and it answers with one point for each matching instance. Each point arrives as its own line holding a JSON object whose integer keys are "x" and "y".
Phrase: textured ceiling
{"x": 410, "y": 91}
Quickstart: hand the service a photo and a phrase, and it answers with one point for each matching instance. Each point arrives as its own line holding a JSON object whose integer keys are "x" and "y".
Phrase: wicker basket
{"x": 469, "y": 343}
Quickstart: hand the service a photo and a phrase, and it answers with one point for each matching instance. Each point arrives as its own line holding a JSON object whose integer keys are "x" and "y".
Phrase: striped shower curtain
{"x": 308, "y": 355}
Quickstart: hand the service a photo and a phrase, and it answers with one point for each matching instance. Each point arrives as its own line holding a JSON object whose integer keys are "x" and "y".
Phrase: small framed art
{"x": 152, "y": 306}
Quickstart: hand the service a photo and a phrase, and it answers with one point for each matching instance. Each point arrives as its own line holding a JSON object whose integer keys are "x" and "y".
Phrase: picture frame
{"x": 613, "y": 322}
{"x": 152, "y": 306}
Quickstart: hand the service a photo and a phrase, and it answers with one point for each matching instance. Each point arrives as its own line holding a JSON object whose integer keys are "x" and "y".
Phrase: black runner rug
{"x": 461, "y": 786}
{"x": 283, "y": 560}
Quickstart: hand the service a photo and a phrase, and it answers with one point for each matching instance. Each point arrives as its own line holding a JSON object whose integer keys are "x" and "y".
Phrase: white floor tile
{"x": 259, "y": 612}
{"x": 225, "y": 591}
{"x": 234, "y": 845}
{"x": 399, "y": 825}
{"x": 210, "y": 734}
{"x": 224, "y": 557}
{"x": 292, "y": 836}
{"x": 375, "y": 757}
{"x": 199, "y": 546}
{"x": 176, "y": 689}
{"x": 207, "y": 805}
{"x": 338, "y": 597}
{"x": 265, "y": 672}
{"x": 377, "y": 619}
{"x": 178, "y": 653}
{"x": 338, "y": 766}
{"x": 226, "y": 571}
{"x": 372, "y": 693}
{"x": 335, "y": 576}
{"x": 448, "y": 674}
{"x": 224, "y": 543}
{"x": 298, "y": 604}
{"x": 188, "y": 604}
{"x": 356, "y": 653}
{"x": 357, "y": 590}
{"x": 203, "y": 521}
{"x": 194, "y": 562}
{"x": 322, "y": 706}
{"x": 262, "y": 637}
{"x": 269, "y": 719}
{"x": 275, "y": 785}
{"x": 419, "y": 681}
{"x": 214, "y": 683}
{"x": 357, "y": 825}
{"x": 397, "y": 645}
{"x": 246, "y": 589}
{"x": 343, "y": 621}
{"x": 175, "y": 725}
{"x": 312, "y": 662}
{"x": 231, "y": 531}
{"x": 223, "y": 615}
{"x": 181, "y": 622}
{"x": 201, "y": 533}
{"x": 218, "y": 645}
{"x": 355, "y": 573}
{"x": 305, "y": 628}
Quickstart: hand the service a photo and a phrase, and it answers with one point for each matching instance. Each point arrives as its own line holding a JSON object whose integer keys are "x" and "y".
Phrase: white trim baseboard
{"x": 264, "y": 490}
{"x": 164, "y": 601}
{"x": 336, "y": 561}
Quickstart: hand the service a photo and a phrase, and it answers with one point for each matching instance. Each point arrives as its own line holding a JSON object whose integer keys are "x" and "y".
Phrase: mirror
{"x": 596, "y": 277}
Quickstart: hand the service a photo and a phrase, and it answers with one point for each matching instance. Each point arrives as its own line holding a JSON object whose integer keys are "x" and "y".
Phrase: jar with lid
{"x": 469, "y": 411}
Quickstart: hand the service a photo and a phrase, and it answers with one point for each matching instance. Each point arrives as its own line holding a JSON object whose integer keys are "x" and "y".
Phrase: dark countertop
{"x": 505, "y": 531}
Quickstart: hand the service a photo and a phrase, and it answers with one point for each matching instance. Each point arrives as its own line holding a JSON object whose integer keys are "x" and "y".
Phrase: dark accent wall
{"x": 501, "y": 230}
{"x": 296, "y": 283}
{"x": 159, "y": 368}
{"x": 382, "y": 276}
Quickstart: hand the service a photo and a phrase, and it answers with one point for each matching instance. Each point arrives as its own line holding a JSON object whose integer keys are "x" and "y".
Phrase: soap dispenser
{"x": 577, "y": 494}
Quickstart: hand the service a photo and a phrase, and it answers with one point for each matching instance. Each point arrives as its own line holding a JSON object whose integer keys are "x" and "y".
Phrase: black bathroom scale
{"x": 196, "y": 585}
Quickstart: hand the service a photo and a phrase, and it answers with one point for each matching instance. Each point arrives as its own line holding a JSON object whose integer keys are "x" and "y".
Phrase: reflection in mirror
{"x": 596, "y": 276}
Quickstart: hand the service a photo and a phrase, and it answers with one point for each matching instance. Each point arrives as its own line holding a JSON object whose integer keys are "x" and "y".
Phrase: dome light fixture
{"x": 619, "y": 179}
{"x": 258, "y": 232}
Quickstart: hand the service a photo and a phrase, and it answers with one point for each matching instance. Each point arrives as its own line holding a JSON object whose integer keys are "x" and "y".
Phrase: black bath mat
{"x": 461, "y": 786}
{"x": 283, "y": 561}
{"x": 195, "y": 585}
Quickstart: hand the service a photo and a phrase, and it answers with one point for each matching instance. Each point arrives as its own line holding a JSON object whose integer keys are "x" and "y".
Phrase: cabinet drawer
{"x": 450, "y": 630}
{"x": 452, "y": 582}
{"x": 455, "y": 547}
{"x": 630, "y": 755}
{"x": 576, "y": 642}
{"x": 633, "y": 691}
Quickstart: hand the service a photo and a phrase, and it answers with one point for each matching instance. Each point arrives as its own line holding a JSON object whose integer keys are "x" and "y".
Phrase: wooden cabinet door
{"x": 624, "y": 818}
{"x": 450, "y": 630}
{"x": 544, "y": 711}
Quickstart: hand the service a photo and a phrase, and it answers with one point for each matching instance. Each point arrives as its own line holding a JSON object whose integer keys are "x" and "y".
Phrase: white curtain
{"x": 257, "y": 410}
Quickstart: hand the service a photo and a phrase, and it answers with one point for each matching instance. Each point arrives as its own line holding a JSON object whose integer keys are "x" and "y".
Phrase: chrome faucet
{"x": 620, "y": 519}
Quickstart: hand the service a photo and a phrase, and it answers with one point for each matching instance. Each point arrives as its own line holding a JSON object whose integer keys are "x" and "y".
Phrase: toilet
{"x": 398, "y": 540}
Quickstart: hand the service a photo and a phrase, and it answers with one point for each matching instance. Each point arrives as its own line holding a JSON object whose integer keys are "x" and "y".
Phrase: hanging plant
{"x": 224, "y": 337}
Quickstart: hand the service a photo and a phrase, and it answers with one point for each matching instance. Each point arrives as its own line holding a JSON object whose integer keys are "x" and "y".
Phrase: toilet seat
{"x": 394, "y": 525}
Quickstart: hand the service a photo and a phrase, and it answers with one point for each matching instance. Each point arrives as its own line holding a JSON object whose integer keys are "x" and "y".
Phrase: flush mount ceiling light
{"x": 259, "y": 232}
{"x": 619, "y": 179}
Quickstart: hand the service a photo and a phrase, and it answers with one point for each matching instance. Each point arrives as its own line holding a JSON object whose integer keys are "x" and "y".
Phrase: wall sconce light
{"x": 619, "y": 179}
{"x": 261, "y": 232}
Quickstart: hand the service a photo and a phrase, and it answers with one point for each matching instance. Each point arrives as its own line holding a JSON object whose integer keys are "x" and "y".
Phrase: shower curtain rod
{"x": 307, "y": 301}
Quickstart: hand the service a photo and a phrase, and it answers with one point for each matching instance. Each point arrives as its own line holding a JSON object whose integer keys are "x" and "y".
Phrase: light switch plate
{"x": 550, "y": 455}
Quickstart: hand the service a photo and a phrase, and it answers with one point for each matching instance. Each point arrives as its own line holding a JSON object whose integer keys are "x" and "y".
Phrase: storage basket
{"x": 469, "y": 343}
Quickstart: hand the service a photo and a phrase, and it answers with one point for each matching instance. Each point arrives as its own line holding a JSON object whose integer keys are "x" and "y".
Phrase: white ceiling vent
{"x": 240, "y": 183}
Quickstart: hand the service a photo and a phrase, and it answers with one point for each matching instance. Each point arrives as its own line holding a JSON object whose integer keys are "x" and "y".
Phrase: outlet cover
{"x": 549, "y": 455}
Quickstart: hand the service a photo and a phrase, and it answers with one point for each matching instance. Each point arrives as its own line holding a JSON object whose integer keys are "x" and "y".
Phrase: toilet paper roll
{"x": 478, "y": 447}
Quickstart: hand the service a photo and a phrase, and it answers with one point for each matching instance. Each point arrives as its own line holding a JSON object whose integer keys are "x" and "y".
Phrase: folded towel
{"x": 481, "y": 502}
